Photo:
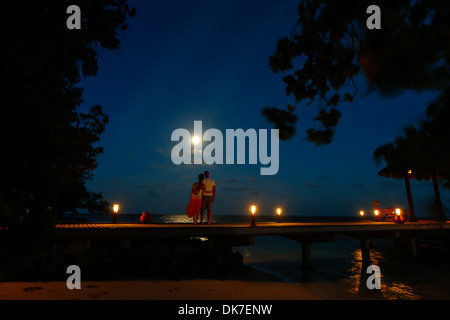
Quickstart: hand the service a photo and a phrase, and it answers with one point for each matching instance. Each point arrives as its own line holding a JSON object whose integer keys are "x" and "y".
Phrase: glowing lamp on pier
{"x": 398, "y": 216}
{"x": 361, "y": 213}
{"x": 253, "y": 211}
{"x": 377, "y": 215}
{"x": 279, "y": 215}
{"x": 116, "y": 211}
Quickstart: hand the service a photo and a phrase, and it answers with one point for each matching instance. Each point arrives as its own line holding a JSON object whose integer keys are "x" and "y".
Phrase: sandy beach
{"x": 255, "y": 286}
{"x": 158, "y": 290}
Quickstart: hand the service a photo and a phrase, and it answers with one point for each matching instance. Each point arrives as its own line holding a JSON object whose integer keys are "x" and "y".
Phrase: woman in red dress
{"x": 195, "y": 204}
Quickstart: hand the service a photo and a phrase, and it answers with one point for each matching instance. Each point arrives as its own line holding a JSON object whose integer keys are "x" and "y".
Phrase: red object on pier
{"x": 399, "y": 219}
{"x": 146, "y": 217}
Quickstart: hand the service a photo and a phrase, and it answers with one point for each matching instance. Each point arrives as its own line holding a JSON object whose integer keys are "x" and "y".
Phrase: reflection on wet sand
{"x": 338, "y": 274}
{"x": 357, "y": 281}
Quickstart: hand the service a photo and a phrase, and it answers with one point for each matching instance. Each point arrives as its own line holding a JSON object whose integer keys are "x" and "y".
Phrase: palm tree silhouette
{"x": 416, "y": 155}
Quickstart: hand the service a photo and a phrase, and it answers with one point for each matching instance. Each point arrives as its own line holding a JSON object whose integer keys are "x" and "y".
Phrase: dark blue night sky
{"x": 182, "y": 61}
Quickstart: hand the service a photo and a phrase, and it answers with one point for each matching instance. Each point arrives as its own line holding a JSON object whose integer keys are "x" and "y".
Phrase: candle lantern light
{"x": 115, "y": 211}
{"x": 253, "y": 218}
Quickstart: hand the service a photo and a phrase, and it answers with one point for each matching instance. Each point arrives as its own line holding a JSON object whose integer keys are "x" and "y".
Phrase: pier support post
{"x": 413, "y": 246}
{"x": 306, "y": 256}
{"x": 365, "y": 253}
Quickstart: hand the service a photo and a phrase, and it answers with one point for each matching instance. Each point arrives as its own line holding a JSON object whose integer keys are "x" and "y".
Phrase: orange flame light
{"x": 398, "y": 218}
{"x": 253, "y": 220}
{"x": 378, "y": 217}
{"x": 361, "y": 213}
{"x": 115, "y": 210}
{"x": 279, "y": 215}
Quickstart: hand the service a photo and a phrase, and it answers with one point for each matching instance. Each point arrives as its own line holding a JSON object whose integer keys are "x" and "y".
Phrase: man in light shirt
{"x": 208, "y": 196}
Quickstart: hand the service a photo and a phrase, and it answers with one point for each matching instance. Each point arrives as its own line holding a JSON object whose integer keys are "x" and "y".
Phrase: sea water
{"x": 337, "y": 265}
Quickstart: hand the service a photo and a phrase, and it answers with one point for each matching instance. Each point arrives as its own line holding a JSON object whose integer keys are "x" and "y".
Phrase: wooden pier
{"x": 313, "y": 232}
{"x": 242, "y": 234}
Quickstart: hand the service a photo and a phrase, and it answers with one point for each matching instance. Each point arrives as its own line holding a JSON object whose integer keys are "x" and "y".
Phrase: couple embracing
{"x": 202, "y": 196}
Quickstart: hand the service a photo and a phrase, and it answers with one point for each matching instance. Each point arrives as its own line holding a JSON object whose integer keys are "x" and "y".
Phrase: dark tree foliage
{"x": 330, "y": 45}
{"x": 422, "y": 154}
{"x": 438, "y": 128}
{"x": 415, "y": 150}
{"x": 424, "y": 150}
{"x": 48, "y": 148}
